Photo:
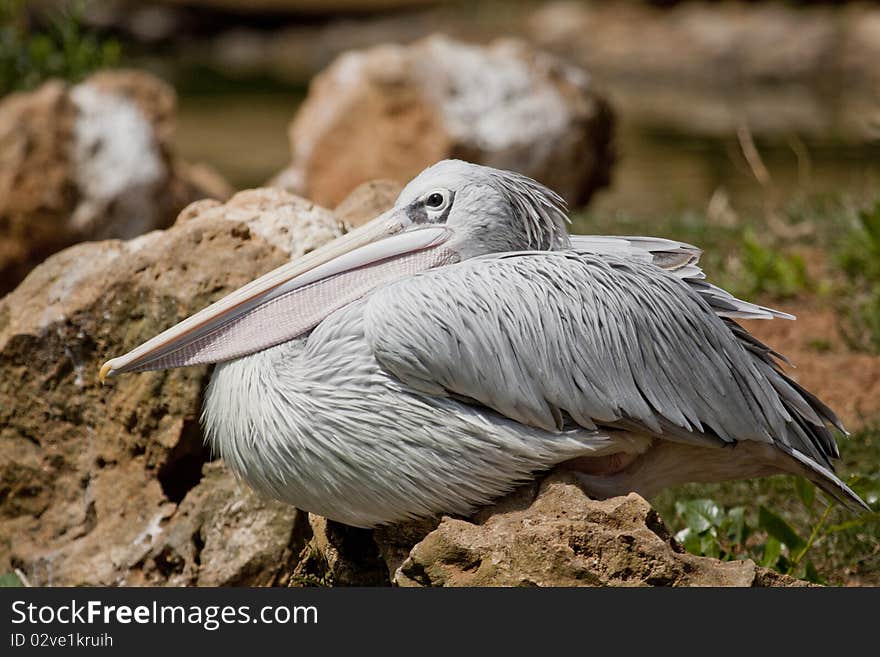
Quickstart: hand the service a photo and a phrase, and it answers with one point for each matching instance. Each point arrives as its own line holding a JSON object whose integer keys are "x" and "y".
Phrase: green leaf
{"x": 811, "y": 574}
{"x": 10, "y": 580}
{"x": 806, "y": 492}
{"x": 735, "y": 525}
{"x": 870, "y": 219}
{"x": 866, "y": 487}
{"x": 779, "y": 529}
{"x": 772, "y": 550}
{"x": 709, "y": 545}
{"x": 700, "y": 515}
{"x": 690, "y": 540}
{"x": 853, "y": 523}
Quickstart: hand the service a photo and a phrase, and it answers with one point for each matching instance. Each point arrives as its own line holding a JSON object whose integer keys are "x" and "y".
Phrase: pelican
{"x": 463, "y": 342}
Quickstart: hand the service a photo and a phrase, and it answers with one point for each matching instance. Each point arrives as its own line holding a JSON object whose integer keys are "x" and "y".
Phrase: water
{"x": 242, "y": 135}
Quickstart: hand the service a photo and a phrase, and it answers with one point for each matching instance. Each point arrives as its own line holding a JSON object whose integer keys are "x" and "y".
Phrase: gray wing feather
{"x": 681, "y": 259}
{"x": 603, "y": 340}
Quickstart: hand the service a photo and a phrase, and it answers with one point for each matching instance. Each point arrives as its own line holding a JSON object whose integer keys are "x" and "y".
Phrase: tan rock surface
{"x": 366, "y": 201}
{"x": 36, "y": 184}
{"x": 90, "y": 161}
{"x": 338, "y": 555}
{"x": 221, "y": 534}
{"x": 562, "y": 538}
{"x": 390, "y": 111}
{"x": 90, "y": 475}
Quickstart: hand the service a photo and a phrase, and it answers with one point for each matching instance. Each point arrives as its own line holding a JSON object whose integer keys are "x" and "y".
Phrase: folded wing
{"x": 680, "y": 259}
{"x": 547, "y": 338}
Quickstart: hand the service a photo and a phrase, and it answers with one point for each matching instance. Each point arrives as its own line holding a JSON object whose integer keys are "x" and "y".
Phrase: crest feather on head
{"x": 543, "y": 212}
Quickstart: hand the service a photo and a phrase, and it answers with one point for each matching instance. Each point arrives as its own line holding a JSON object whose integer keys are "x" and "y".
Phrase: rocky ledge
{"x": 392, "y": 110}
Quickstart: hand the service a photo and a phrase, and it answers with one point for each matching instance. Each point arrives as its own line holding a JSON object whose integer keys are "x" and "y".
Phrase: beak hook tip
{"x": 106, "y": 370}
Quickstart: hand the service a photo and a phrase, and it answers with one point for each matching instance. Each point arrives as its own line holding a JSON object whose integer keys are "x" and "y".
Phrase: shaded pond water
{"x": 242, "y": 135}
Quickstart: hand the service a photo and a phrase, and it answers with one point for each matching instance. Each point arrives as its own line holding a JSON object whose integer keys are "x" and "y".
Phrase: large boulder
{"x": 390, "y": 111}
{"x": 552, "y": 534}
{"x": 701, "y": 42}
{"x": 89, "y": 161}
{"x": 90, "y": 476}
{"x": 366, "y": 201}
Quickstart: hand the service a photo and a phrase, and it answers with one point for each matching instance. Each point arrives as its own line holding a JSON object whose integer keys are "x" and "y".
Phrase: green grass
{"x": 858, "y": 255}
{"x": 825, "y": 247}
{"x": 62, "y": 48}
{"x": 746, "y": 517}
{"x": 773, "y": 255}
{"x": 10, "y": 580}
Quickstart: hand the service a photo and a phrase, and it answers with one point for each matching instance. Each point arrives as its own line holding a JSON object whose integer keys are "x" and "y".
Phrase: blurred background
{"x": 749, "y": 128}
{"x": 684, "y": 80}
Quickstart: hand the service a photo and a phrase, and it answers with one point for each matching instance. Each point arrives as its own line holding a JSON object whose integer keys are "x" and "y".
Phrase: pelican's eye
{"x": 437, "y": 204}
{"x": 435, "y": 200}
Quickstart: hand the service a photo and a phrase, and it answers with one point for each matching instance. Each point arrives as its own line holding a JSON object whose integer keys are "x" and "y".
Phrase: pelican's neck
{"x": 242, "y": 401}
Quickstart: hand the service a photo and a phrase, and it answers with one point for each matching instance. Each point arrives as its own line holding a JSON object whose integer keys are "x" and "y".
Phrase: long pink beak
{"x": 294, "y": 298}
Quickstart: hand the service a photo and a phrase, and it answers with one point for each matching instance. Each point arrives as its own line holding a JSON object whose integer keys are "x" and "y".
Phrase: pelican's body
{"x": 473, "y": 344}
{"x": 318, "y": 423}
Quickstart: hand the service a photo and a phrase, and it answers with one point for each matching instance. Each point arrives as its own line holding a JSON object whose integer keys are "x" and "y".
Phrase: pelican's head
{"x": 451, "y": 211}
{"x": 485, "y": 210}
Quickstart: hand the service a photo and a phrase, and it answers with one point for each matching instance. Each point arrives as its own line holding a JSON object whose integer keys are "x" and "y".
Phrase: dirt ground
{"x": 849, "y": 382}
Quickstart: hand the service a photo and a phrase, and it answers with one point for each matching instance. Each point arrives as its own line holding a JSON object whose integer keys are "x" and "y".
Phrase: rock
{"x": 155, "y": 100}
{"x": 338, "y": 555}
{"x": 390, "y": 111}
{"x": 715, "y": 45}
{"x": 90, "y": 161}
{"x": 91, "y": 477}
{"x": 223, "y": 534}
{"x": 562, "y": 538}
{"x": 395, "y": 542}
{"x": 36, "y": 187}
{"x": 368, "y": 200}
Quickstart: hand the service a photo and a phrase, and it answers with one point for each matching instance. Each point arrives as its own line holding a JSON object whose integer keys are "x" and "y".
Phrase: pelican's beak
{"x": 294, "y": 298}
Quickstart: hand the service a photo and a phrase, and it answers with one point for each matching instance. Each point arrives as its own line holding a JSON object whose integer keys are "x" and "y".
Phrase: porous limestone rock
{"x": 89, "y": 161}
{"x": 390, "y": 111}
{"x": 367, "y": 201}
{"x": 557, "y": 536}
{"x": 91, "y": 476}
